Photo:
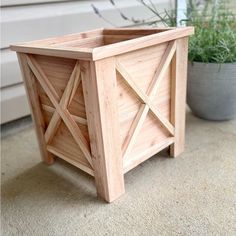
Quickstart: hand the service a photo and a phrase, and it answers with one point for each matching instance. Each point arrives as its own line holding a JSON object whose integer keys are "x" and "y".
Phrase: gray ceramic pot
{"x": 211, "y": 92}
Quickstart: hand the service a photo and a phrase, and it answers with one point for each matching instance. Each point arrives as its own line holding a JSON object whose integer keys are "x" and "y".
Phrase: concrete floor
{"x": 194, "y": 194}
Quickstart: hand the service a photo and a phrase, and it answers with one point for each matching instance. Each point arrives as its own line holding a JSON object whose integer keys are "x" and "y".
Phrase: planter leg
{"x": 178, "y": 95}
{"x": 31, "y": 90}
{"x": 99, "y": 88}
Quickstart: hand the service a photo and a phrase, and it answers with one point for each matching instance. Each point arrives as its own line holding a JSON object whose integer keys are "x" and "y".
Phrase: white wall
{"x": 21, "y": 23}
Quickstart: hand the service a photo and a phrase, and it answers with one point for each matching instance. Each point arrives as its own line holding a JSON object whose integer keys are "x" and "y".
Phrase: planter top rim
{"x": 130, "y": 39}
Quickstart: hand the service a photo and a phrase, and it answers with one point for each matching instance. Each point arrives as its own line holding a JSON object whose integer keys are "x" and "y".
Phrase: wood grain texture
{"x": 108, "y": 99}
{"x": 64, "y": 102}
{"x": 64, "y": 142}
{"x": 178, "y": 97}
{"x": 141, "y": 65}
{"x": 65, "y": 115}
{"x": 142, "y": 42}
{"x": 147, "y": 153}
{"x": 146, "y": 99}
{"x": 134, "y": 31}
{"x": 68, "y": 52}
{"x": 31, "y": 91}
{"x": 93, "y": 44}
{"x": 59, "y": 152}
{"x": 99, "y": 85}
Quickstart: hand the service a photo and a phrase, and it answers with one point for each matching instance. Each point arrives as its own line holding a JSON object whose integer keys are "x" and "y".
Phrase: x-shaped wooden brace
{"x": 61, "y": 111}
{"x": 146, "y": 99}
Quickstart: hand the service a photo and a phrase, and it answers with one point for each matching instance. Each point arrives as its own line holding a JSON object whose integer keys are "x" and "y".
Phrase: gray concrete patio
{"x": 194, "y": 194}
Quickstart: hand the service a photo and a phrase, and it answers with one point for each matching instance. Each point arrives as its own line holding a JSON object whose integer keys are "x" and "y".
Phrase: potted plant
{"x": 211, "y": 92}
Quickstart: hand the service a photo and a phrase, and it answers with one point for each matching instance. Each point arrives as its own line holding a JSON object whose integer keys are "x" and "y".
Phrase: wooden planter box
{"x": 108, "y": 99}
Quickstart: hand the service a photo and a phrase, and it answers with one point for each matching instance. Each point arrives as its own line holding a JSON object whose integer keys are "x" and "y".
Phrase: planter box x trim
{"x": 146, "y": 99}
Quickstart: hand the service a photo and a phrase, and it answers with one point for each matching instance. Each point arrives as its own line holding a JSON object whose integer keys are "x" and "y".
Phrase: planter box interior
{"x": 108, "y": 99}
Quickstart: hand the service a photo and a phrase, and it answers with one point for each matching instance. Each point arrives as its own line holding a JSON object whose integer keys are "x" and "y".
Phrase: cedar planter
{"x": 108, "y": 99}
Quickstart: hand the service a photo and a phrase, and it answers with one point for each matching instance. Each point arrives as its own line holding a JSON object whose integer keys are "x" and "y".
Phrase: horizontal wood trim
{"x": 95, "y": 41}
{"x": 104, "y": 51}
{"x": 77, "y": 119}
{"x": 60, "y": 154}
{"x": 134, "y": 31}
{"x": 142, "y": 42}
{"x": 67, "y": 38}
{"x": 130, "y": 163}
{"x": 81, "y": 53}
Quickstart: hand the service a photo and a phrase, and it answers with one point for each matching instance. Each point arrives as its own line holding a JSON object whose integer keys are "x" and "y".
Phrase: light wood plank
{"x": 109, "y": 39}
{"x": 68, "y": 52}
{"x": 64, "y": 102}
{"x": 78, "y": 119}
{"x": 60, "y": 154}
{"x": 65, "y": 115}
{"x": 147, "y": 153}
{"x": 164, "y": 122}
{"x": 69, "y": 37}
{"x": 161, "y": 69}
{"x": 134, "y": 31}
{"x": 134, "y": 130}
{"x": 43, "y": 80}
{"x": 142, "y": 42}
{"x": 99, "y": 86}
{"x": 31, "y": 91}
{"x": 145, "y": 98}
{"x": 92, "y": 42}
{"x": 178, "y": 96}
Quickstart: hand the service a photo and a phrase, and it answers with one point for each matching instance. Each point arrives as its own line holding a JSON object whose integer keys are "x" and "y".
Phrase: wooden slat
{"x": 161, "y": 69}
{"x": 134, "y": 129}
{"x": 77, "y": 119}
{"x": 31, "y": 90}
{"x": 178, "y": 95}
{"x": 48, "y": 46}
{"x": 144, "y": 98}
{"x": 135, "y": 44}
{"x": 147, "y": 153}
{"x": 68, "y": 52}
{"x": 64, "y": 142}
{"x": 63, "y": 156}
{"x": 134, "y": 31}
{"x": 65, "y": 38}
{"x": 104, "y": 51}
{"x": 99, "y": 86}
{"x": 70, "y": 123}
{"x": 153, "y": 133}
{"x": 86, "y": 42}
{"x": 42, "y": 78}
{"x": 163, "y": 121}
{"x": 64, "y": 102}
{"x": 108, "y": 39}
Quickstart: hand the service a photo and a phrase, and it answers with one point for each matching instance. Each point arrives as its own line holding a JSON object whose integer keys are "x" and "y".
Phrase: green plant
{"x": 215, "y": 35}
{"x": 214, "y": 40}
